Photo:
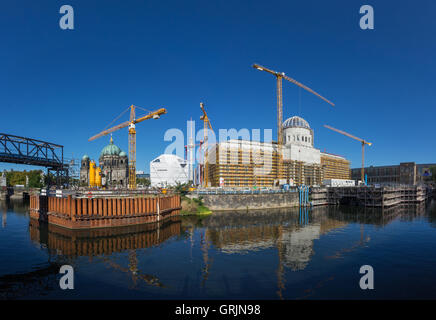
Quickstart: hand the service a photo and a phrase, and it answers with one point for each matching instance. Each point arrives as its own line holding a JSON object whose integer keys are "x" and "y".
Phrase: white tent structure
{"x": 168, "y": 170}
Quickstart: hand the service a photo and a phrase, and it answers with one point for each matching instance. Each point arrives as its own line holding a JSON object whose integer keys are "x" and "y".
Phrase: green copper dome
{"x": 85, "y": 157}
{"x": 123, "y": 154}
{"x": 110, "y": 149}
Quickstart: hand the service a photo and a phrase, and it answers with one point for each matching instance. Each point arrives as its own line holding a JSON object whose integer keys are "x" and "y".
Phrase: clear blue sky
{"x": 67, "y": 85}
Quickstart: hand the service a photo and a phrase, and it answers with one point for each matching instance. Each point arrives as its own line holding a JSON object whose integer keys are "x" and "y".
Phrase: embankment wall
{"x": 235, "y": 202}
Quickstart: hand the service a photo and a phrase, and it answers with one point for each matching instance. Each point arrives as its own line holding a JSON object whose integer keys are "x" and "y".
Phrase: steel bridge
{"x": 21, "y": 150}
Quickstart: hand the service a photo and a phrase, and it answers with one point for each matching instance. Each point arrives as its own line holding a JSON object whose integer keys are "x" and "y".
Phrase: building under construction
{"x": 242, "y": 163}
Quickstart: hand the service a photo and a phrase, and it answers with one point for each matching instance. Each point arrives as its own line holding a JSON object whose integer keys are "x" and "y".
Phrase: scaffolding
{"x": 335, "y": 167}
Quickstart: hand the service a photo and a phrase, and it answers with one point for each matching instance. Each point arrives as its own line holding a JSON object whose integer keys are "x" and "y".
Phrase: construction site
{"x": 108, "y": 194}
{"x": 290, "y": 160}
{"x": 373, "y": 197}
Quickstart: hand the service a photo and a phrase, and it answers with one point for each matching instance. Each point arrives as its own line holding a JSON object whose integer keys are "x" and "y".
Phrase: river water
{"x": 291, "y": 254}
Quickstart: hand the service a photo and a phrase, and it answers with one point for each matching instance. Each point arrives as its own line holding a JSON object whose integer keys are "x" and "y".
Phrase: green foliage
{"x": 182, "y": 188}
{"x": 144, "y": 181}
{"x": 433, "y": 173}
{"x": 14, "y": 178}
{"x": 194, "y": 207}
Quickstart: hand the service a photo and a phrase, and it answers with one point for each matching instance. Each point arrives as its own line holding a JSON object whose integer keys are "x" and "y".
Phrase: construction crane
{"x": 279, "y": 76}
{"x": 132, "y": 136}
{"x": 362, "y": 141}
{"x": 207, "y": 124}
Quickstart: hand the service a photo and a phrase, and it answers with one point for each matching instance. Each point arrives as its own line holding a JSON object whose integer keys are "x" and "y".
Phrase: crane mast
{"x": 207, "y": 124}
{"x": 132, "y": 149}
{"x": 279, "y": 77}
{"x": 362, "y": 141}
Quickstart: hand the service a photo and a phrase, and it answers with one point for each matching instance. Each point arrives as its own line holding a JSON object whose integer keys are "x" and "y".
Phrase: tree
{"x": 144, "y": 181}
{"x": 433, "y": 173}
{"x": 14, "y": 178}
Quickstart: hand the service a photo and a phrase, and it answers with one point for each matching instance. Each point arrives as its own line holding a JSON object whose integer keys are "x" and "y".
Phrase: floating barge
{"x": 83, "y": 213}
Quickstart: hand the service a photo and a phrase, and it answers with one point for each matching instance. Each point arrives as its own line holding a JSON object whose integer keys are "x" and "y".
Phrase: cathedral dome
{"x": 123, "y": 154}
{"x": 85, "y": 157}
{"x": 296, "y": 122}
{"x": 110, "y": 150}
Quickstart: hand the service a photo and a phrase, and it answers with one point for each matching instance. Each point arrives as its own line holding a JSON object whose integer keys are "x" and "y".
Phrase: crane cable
{"x": 299, "y": 101}
{"x": 116, "y": 118}
{"x": 128, "y": 108}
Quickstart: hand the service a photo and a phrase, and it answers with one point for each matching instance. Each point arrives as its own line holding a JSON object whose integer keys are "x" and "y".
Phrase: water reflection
{"x": 65, "y": 246}
{"x": 103, "y": 241}
{"x": 17, "y": 206}
{"x": 293, "y": 232}
{"x": 234, "y": 255}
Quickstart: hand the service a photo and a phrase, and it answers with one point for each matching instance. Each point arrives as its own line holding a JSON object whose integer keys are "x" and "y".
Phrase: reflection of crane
{"x": 207, "y": 262}
{"x": 363, "y": 142}
{"x": 280, "y": 76}
{"x": 133, "y": 269}
{"x": 206, "y": 122}
{"x": 280, "y": 269}
{"x": 132, "y": 137}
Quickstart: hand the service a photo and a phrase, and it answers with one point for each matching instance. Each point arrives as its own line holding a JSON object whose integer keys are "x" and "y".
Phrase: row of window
{"x": 297, "y": 138}
{"x": 113, "y": 162}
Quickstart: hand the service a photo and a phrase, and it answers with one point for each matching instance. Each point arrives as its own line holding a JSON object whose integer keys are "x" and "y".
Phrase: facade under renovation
{"x": 168, "y": 170}
{"x": 242, "y": 163}
{"x": 112, "y": 171}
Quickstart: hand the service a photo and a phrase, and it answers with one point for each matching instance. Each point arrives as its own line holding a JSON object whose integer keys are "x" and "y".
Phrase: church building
{"x": 114, "y": 166}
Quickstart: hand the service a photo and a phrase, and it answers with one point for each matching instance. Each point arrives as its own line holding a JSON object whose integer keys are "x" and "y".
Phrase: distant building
{"x": 114, "y": 167}
{"x": 168, "y": 170}
{"x": 141, "y": 174}
{"x": 404, "y": 173}
{"x": 243, "y": 163}
{"x": 3, "y": 180}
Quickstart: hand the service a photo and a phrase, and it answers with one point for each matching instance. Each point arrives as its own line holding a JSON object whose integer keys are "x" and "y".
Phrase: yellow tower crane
{"x": 362, "y": 141}
{"x": 207, "y": 124}
{"x": 132, "y": 136}
{"x": 279, "y": 76}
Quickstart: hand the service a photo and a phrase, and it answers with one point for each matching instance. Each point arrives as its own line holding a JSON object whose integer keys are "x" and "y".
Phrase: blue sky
{"x": 67, "y": 85}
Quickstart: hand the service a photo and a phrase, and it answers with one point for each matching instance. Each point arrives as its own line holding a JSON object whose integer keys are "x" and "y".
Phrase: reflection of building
{"x": 3, "y": 180}
{"x": 113, "y": 164}
{"x": 297, "y": 246}
{"x": 251, "y": 163}
{"x": 168, "y": 169}
{"x": 404, "y": 173}
{"x": 291, "y": 233}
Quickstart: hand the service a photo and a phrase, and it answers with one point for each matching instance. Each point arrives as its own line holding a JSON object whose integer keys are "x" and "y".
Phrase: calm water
{"x": 264, "y": 255}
